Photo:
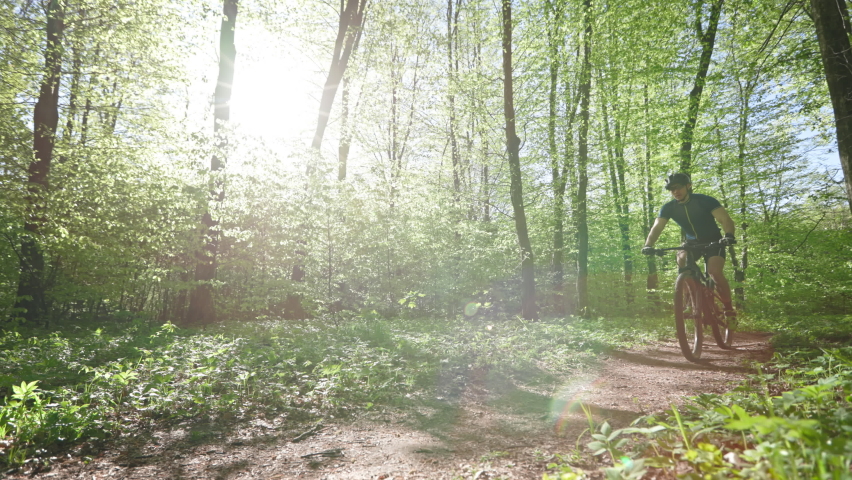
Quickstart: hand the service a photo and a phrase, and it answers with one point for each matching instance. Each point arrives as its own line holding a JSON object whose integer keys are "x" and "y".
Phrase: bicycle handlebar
{"x": 696, "y": 247}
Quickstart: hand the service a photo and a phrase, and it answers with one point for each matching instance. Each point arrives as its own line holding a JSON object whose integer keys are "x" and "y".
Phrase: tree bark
{"x": 708, "y": 41}
{"x": 621, "y": 206}
{"x": 73, "y": 91}
{"x": 582, "y": 167}
{"x": 345, "y": 135}
{"x": 201, "y": 305}
{"x": 349, "y": 31}
{"x": 554, "y": 15}
{"x": 569, "y": 174}
{"x": 513, "y": 143}
{"x": 31, "y": 301}
{"x": 452, "y": 73}
{"x": 649, "y": 214}
{"x": 740, "y": 266}
{"x": 831, "y": 18}
{"x": 624, "y": 219}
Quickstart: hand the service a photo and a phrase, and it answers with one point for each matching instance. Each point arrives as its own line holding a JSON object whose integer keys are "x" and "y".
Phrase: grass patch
{"x": 806, "y": 332}
{"x": 62, "y": 387}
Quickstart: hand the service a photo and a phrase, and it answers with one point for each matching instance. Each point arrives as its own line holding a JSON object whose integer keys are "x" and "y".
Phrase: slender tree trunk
{"x": 558, "y": 179}
{"x": 399, "y": 133}
{"x": 831, "y": 18}
{"x": 452, "y": 73}
{"x": 649, "y": 213}
{"x": 569, "y": 173}
{"x": 582, "y": 167}
{"x": 348, "y": 35}
{"x": 74, "y": 90}
{"x": 84, "y": 123}
{"x": 741, "y": 265}
{"x": 740, "y": 273}
{"x": 708, "y": 41}
{"x": 31, "y": 301}
{"x": 481, "y": 129}
{"x": 393, "y": 127}
{"x": 513, "y": 143}
{"x": 201, "y": 305}
{"x": 619, "y": 196}
{"x": 624, "y": 219}
{"x": 349, "y": 29}
{"x": 345, "y": 134}
{"x": 486, "y": 200}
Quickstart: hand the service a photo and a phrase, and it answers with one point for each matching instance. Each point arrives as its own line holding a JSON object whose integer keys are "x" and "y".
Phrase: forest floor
{"x": 479, "y": 426}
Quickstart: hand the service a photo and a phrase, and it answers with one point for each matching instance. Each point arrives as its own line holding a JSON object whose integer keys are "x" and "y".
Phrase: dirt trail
{"x": 484, "y": 428}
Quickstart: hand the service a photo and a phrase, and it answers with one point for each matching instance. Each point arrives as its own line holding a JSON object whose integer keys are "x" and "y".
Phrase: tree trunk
{"x": 708, "y": 40}
{"x": 348, "y": 34}
{"x": 582, "y": 167}
{"x": 452, "y": 73}
{"x": 31, "y": 302}
{"x": 349, "y": 29}
{"x": 831, "y": 18}
{"x": 201, "y": 306}
{"x": 649, "y": 214}
{"x": 558, "y": 179}
{"x": 615, "y": 154}
{"x": 73, "y": 90}
{"x": 569, "y": 173}
{"x": 486, "y": 196}
{"x": 345, "y": 135}
{"x": 393, "y": 129}
{"x": 513, "y": 143}
{"x": 624, "y": 219}
{"x": 741, "y": 265}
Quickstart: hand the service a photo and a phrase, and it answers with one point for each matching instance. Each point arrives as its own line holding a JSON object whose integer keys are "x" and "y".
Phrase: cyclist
{"x": 697, "y": 215}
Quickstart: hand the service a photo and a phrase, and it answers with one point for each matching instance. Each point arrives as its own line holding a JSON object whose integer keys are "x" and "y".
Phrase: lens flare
{"x": 566, "y": 402}
{"x": 471, "y": 308}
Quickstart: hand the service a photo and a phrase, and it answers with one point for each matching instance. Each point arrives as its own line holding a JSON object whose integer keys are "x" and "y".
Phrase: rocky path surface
{"x": 488, "y": 429}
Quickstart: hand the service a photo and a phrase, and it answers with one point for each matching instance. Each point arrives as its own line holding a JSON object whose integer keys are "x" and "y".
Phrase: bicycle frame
{"x": 693, "y": 250}
{"x": 712, "y": 315}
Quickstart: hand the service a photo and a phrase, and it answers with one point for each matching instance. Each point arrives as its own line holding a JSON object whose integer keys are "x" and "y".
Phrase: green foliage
{"x": 63, "y": 387}
{"x": 120, "y": 230}
{"x": 32, "y": 421}
{"x": 418, "y": 230}
{"x": 805, "y": 332}
{"x": 799, "y": 430}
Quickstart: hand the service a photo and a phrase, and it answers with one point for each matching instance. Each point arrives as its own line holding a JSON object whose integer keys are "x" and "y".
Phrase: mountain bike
{"x": 697, "y": 303}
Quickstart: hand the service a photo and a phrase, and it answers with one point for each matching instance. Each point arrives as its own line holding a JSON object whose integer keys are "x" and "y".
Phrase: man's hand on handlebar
{"x": 648, "y": 250}
{"x": 728, "y": 240}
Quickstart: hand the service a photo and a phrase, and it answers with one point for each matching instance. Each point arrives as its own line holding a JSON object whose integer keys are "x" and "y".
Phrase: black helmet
{"x": 678, "y": 179}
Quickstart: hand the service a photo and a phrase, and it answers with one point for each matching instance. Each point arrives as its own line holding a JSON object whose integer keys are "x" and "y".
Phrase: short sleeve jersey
{"x": 695, "y": 217}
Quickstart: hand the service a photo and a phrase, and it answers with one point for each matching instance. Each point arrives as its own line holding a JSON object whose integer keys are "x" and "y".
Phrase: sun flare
{"x": 274, "y": 92}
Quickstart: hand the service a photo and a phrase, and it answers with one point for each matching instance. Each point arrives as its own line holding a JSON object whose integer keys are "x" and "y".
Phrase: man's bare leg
{"x": 716, "y": 268}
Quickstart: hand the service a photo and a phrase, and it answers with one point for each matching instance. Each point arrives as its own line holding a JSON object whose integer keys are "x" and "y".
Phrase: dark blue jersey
{"x": 695, "y": 217}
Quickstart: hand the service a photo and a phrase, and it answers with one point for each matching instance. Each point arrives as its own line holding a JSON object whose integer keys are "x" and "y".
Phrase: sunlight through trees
{"x": 443, "y": 158}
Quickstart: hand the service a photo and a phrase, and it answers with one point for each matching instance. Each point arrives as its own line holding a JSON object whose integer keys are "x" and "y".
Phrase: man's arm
{"x": 721, "y": 215}
{"x": 656, "y": 230}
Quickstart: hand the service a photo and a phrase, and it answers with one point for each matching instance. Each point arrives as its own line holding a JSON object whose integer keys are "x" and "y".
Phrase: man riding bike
{"x": 697, "y": 215}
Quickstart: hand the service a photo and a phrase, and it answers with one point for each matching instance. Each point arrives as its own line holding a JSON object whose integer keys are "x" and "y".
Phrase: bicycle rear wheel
{"x": 714, "y": 314}
{"x": 687, "y": 305}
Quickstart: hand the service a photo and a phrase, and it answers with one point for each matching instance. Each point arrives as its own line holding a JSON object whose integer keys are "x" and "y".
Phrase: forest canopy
{"x": 198, "y": 161}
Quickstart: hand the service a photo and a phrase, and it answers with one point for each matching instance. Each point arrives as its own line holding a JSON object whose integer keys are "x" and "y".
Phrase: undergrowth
{"x": 793, "y": 420}
{"x": 82, "y": 383}
{"x": 807, "y": 331}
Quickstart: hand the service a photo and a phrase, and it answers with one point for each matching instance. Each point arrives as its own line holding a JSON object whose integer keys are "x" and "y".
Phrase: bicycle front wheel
{"x": 714, "y": 314}
{"x": 687, "y": 305}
